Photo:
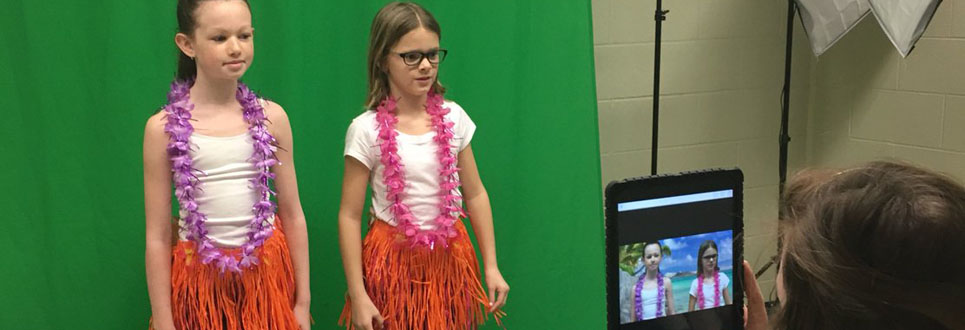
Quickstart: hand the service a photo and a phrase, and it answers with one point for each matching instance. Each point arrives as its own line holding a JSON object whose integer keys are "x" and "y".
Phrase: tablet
{"x": 671, "y": 257}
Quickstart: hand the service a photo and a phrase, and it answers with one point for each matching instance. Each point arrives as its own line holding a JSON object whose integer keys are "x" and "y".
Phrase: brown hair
{"x": 878, "y": 246}
{"x": 700, "y": 255}
{"x": 392, "y": 22}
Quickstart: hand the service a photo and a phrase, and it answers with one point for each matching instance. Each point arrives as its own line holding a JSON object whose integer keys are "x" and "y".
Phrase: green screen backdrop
{"x": 80, "y": 78}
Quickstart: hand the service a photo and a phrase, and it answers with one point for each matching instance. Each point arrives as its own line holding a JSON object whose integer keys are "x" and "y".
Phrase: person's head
{"x": 404, "y": 53}
{"x": 215, "y": 39}
{"x": 877, "y": 246}
{"x": 652, "y": 255}
{"x": 707, "y": 258}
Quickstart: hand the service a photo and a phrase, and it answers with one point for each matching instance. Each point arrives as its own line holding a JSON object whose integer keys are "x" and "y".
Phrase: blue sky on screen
{"x": 683, "y": 250}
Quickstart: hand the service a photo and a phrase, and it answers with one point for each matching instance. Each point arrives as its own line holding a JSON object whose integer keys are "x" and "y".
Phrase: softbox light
{"x": 826, "y": 21}
{"x": 904, "y": 21}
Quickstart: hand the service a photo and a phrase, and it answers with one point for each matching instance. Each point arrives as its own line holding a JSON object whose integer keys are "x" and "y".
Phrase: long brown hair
{"x": 392, "y": 22}
{"x": 700, "y": 255}
{"x": 881, "y": 246}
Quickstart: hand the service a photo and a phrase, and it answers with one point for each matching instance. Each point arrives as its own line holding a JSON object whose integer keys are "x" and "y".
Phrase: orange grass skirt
{"x": 261, "y": 297}
{"x": 422, "y": 288}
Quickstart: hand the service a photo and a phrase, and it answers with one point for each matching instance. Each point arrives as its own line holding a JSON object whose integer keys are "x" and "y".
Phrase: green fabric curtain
{"x": 80, "y": 78}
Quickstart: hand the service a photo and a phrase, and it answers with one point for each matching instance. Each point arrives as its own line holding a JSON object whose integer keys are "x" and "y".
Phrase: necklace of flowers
{"x": 450, "y": 203}
{"x": 639, "y": 296}
{"x": 187, "y": 185}
{"x": 700, "y": 290}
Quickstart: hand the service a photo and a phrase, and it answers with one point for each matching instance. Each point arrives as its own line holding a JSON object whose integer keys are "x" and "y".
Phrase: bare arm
{"x": 633, "y": 309}
{"x": 477, "y": 202}
{"x": 693, "y": 302}
{"x": 668, "y": 289}
{"x": 354, "y": 181}
{"x": 290, "y": 206}
{"x": 157, "y": 216}
{"x": 726, "y": 296}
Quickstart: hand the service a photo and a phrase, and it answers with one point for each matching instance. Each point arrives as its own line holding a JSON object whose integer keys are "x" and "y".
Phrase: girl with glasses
{"x": 709, "y": 289}
{"x": 416, "y": 268}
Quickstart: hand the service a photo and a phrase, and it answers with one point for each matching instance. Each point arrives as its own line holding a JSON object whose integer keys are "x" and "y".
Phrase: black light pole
{"x": 785, "y": 138}
{"x": 659, "y": 16}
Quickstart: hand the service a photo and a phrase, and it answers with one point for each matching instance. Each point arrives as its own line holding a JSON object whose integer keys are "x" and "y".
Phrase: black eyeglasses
{"x": 710, "y": 257}
{"x": 413, "y": 58}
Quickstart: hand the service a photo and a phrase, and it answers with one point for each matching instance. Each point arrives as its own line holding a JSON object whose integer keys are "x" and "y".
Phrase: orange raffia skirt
{"x": 261, "y": 297}
{"x": 422, "y": 288}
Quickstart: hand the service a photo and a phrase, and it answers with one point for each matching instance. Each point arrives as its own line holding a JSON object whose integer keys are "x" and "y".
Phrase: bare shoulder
{"x": 155, "y": 141}
{"x": 154, "y": 128}
{"x": 275, "y": 113}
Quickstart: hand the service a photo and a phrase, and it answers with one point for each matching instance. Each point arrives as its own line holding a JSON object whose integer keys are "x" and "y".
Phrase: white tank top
{"x": 226, "y": 196}
{"x": 649, "y": 300}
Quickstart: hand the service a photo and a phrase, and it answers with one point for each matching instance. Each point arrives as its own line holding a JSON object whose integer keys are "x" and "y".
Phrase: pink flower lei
{"x": 187, "y": 184}
{"x": 700, "y": 290}
{"x": 393, "y": 175}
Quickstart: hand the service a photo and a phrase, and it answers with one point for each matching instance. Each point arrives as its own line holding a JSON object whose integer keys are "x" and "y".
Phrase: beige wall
{"x": 869, "y": 103}
{"x": 722, "y": 72}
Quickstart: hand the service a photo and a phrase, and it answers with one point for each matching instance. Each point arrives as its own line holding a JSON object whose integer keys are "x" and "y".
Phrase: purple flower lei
{"x": 187, "y": 184}
{"x": 700, "y": 290}
{"x": 394, "y": 176}
{"x": 638, "y": 300}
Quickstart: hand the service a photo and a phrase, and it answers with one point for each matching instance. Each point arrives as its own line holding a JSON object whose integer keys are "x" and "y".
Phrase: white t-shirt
{"x": 419, "y": 161}
{"x": 708, "y": 292}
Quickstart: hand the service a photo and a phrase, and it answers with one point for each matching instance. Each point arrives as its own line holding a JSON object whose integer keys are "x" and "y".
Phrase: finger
{"x": 492, "y": 298}
{"x": 745, "y": 317}
{"x": 754, "y": 297}
{"x": 379, "y": 321}
{"x": 503, "y": 295}
{"x": 756, "y": 315}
